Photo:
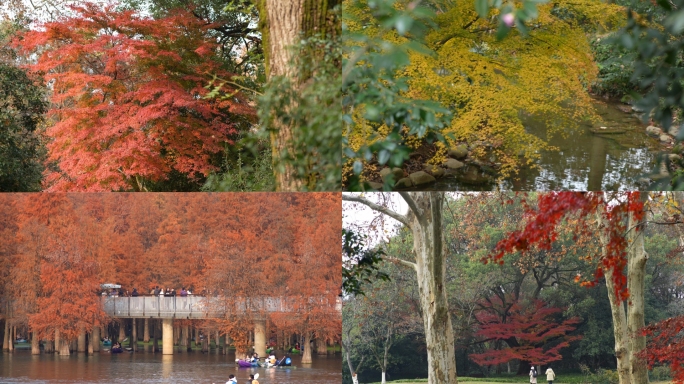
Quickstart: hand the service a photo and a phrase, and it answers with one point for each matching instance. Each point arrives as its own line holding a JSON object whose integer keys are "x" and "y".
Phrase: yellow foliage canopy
{"x": 492, "y": 86}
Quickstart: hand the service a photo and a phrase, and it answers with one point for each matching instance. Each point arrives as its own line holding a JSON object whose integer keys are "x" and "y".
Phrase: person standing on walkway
{"x": 533, "y": 375}
{"x": 355, "y": 379}
{"x": 550, "y": 375}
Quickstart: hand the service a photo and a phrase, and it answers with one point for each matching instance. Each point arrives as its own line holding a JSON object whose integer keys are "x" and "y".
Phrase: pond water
{"x": 147, "y": 367}
{"x": 585, "y": 161}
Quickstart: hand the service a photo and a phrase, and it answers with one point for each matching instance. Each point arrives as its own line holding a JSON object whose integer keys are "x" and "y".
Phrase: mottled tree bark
{"x": 636, "y": 273}
{"x": 424, "y": 218}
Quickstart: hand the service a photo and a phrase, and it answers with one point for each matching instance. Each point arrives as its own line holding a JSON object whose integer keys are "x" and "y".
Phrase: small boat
{"x": 284, "y": 362}
{"x": 246, "y": 364}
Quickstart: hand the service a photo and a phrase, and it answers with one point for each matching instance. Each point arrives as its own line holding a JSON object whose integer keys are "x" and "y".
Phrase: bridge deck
{"x": 189, "y": 307}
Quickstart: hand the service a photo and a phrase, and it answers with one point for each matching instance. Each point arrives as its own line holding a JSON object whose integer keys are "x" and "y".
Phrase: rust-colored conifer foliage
{"x": 127, "y": 98}
{"x": 59, "y": 248}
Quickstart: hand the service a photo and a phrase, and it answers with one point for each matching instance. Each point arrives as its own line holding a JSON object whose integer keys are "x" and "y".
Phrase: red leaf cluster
{"x": 666, "y": 346}
{"x": 528, "y": 330}
{"x": 128, "y": 98}
{"x": 543, "y": 223}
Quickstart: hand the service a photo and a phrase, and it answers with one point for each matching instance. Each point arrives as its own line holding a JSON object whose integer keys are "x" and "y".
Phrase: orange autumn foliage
{"x": 127, "y": 101}
{"x": 232, "y": 246}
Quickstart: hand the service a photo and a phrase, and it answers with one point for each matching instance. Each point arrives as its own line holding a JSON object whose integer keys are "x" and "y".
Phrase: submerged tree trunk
{"x": 6, "y": 336}
{"x": 35, "y": 343}
{"x": 306, "y": 356}
{"x": 282, "y": 25}
{"x": 81, "y": 347}
{"x": 64, "y": 347}
{"x": 146, "y": 331}
{"x": 155, "y": 343}
{"x": 13, "y": 337}
{"x": 95, "y": 339}
{"x": 134, "y": 336}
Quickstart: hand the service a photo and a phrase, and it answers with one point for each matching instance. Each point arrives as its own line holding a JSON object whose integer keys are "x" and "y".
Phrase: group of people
{"x": 252, "y": 379}
{"x": 170, "y": 292}
{"x": 550, "y": 375}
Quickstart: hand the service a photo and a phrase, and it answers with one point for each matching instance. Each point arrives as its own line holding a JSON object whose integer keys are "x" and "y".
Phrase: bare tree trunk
{"x": 282, "y": 24}
{"x": 205, "y": 343}
{"x": 64, "y": 347}
{"x": 35, "y": 343}
{"x": 622, "y": 352}
{"x": 306, "y": 356}
{"x": 134, "y": 336}
{"x": 636, "y": 271}
{"x": 6, "y": 336}
{"x": 155, "y": 343}
{"x": 13, "y": 337}
{"x": 425, "y": 221}
{"x": 95, "y": 339}
{"x": 58, "y": 341}
{"x": 430, "y": 268}
{"x": 146, "y": 331}
{"x": 122, "y": 331}
{"x": 321, "y": 346}
{"x": 81, "y": 347}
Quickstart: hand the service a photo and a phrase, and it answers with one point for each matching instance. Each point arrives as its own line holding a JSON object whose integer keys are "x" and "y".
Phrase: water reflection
{"x": 584, "y": 161}
{"x": 142, "y": 367}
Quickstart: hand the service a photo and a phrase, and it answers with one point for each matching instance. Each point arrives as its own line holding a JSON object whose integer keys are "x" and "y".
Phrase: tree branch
{"x": 395, "y": 260}
{"x": 412, "y": 205}
{"x": 376, "y": 207}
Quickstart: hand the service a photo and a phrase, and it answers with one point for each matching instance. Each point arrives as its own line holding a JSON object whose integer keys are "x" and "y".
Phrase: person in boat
{"x": 253, "y": 379}
{"x": 271, "y": 359}
{"x": 231, "y": 380}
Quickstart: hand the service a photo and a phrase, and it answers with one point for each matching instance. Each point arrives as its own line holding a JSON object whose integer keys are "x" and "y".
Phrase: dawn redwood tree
{"x": 127, "y": 99}
{"x": 424, "y": 219}
{"x": 527, "y": 329}
{"x": 283, "y": 23}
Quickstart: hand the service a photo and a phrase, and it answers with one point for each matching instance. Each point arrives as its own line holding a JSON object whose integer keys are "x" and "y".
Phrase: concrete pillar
{"x": 81, "y": 346}
{"x": 260, "y": 337}
{"x": 167, "y": 336}
{"x": 95, "y": 339}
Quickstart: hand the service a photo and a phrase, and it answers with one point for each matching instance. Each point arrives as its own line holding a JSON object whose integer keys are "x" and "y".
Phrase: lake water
{"x": 147, "y": 367}
{"x": 584, "y": 161}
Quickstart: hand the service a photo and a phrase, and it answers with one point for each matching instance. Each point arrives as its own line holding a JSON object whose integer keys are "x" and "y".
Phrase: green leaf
{"x": 482, "y": 7}
{"x": 403, "y": 24}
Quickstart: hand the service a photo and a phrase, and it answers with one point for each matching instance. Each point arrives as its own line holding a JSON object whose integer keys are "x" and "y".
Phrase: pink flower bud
{"x": 508, "y": 19}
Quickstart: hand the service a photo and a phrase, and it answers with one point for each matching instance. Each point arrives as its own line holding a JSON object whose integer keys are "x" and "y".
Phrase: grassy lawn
{"x": 574, "y": 378}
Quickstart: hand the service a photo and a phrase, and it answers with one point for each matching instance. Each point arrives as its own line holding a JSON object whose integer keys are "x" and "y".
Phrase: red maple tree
{"x": 127, "y": 98}
{"x": 531, "y": 331}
